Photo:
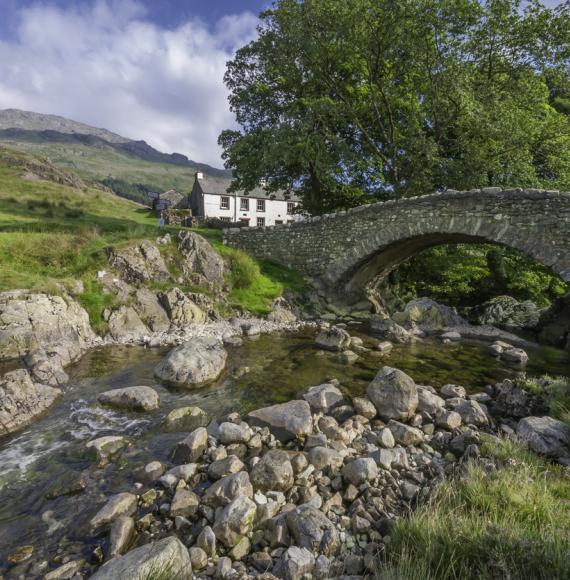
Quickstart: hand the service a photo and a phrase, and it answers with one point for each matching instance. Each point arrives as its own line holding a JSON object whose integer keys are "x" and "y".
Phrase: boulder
{"x": 168, "y": 556}
{"x": 180, "y": 308}
{"x": 192, "y": 363}
{"x": 22, "y": 401}
{"x": 117, "y": 505}
{"x": 150, "y": 311}
{"x": 360, "y": 470}
{"x": 447, "y": 419}
{"x": 200, "y": 258}
{"x": 364, "y": 407}
{"x": 235, "y": 521}
{"x": 234, "y": 433}
{"x": 29, "y": 321}
{"x": 428, "y": 314}
{"x": 312, "y": 530}
{"x": 545, "y": 435}
{"x": 471, "y": 412}
{"x": 286, "y": 420}
{"x": 333, "y": 338}
{"x": 429, "y": 402}
{"x": 125, "y": 324}
{"x": 323, "y": 398}
{"x": 515, "y": 355}
{"x": 106, "y": 447}
{"x": 139, "y": 263}
{"x": 46, "y": 369}
{"x": 296, "y": 563}
{"x": 390, "y": 331}
{"x": 192, "y": 448}
{"x": 515, "y": 402}
{"x": 186, "y": 419}
{"x": 225, "y": 490}
{"x": 198, "y": 558}
{"x": 394, "y": 394}
{"x": 121, "y": 535}
{"x": 224, "y": 467}
{"x": 184, "y": 503}
{"x": 131, "y": 398}
{"x": 324, "y": 458}
{"x": 273, "y": 472}
{"x": 404, "y": 434}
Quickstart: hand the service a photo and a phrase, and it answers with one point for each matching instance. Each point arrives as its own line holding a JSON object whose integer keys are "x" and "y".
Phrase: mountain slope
{"x": 129, "y": 167}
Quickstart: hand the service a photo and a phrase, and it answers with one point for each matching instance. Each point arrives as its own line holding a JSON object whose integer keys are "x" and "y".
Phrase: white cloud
{"x": 107, "y": 66}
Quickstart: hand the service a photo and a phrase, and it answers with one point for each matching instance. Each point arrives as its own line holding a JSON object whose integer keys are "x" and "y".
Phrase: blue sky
{"x": 146, "y": 69}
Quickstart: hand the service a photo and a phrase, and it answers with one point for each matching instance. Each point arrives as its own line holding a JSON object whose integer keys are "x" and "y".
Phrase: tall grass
{"x": 555, "y": 391}
{"x": 511, "y": 523}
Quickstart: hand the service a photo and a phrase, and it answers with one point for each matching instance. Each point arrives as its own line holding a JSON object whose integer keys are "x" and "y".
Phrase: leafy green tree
{"x": 353, "y": 101}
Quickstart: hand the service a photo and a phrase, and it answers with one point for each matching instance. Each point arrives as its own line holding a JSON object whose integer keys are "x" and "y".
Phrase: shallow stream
{"x": 263, "y": 371}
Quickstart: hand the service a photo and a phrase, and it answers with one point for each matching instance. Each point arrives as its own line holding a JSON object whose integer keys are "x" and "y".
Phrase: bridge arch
{"x": 345, "y": 254}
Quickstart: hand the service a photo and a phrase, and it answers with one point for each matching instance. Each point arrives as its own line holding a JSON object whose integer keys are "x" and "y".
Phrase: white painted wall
{"x": 275, "y": 210}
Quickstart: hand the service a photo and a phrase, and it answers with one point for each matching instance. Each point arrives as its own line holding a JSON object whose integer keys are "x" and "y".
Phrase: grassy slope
{"x": 52, "y": 234}
{"x": 95, "y": 164}
{"x": 512, "y": 522}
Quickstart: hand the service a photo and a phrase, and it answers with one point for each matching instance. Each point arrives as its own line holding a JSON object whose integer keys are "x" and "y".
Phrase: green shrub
{"x": 244, "y": 270}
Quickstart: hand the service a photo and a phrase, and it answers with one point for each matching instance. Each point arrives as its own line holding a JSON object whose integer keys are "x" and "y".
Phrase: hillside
{"x": 129, "y": 167}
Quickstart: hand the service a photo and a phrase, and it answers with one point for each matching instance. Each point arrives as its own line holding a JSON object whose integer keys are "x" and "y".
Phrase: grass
{"x": 555, "y": 391}
{"x": 513, "y": 522}
{"x": 52, "y": 235}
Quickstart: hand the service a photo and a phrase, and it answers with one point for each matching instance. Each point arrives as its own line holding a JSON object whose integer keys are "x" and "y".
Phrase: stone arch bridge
{"x": 347, "y": 254}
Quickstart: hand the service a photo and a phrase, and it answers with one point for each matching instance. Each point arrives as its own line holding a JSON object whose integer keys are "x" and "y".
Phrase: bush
{"x": 243, "y": 269}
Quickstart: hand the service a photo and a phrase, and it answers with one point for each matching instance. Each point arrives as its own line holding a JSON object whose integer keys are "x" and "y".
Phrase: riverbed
{"x": 265, "y": 370}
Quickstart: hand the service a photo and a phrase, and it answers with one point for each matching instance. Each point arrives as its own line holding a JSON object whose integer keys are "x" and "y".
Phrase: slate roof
{"x": 176, "y": 199}
{"x": 220, "y": 186}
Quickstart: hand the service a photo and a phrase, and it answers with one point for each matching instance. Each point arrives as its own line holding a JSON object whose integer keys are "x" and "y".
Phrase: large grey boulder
{"x": 333, "y": 338}
{"x": 323, "y": 398}
{"x": 29, "y": 321}
{"x": 311, "y": 529}
{"x": 117, "y": 505}
{"x": 180, "y": 308}
{"x": 428, "y": 314}
{"x": 186, "y": 419}
{"x": 390, "y": 330}
{"x": 273, "y": 472}
{"x": 394, "y": 394}
{"x": 139, "y": 263}
{"x": 166, "y": 558}
{"x": 360, "y": 470}
{"x": 131, "y": 398}
{"x": 545, "y": 435}
{"x": 429, "y": 402}
{"x": 200, "y": 258}
{"x": 192, "y": 363}
{"x": 471, "y": 412}
{"x": 286, "y": 420}
{"x": 22, "y": 401}
{"x": 294, "y": 564}
{"x": 235, "y": 521}
{"x": 405, "y": 434}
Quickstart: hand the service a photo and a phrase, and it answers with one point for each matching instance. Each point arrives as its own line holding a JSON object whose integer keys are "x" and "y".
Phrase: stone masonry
{"x": 346, "y": 254}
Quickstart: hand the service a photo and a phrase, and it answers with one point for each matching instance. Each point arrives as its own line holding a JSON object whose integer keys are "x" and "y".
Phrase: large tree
{"x": 367, "y": 99}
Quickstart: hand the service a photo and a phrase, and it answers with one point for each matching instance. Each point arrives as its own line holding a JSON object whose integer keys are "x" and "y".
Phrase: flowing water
{"x": 264, "y": 371}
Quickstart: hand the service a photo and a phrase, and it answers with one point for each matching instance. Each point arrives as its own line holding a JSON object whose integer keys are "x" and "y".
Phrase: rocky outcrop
{"x": 29, "y": 321}
{"x": 124, "y": 323}
{"x": 193, "y": 363}
{"x": 22, "y": 401}
{"x": 200, "y": 258}
{"x": 131, "y": 398}
{"x": 154, "y": 560}
{"x": 508, "y": 311}
{"x": 139, "y": 263}
{"x": 181, "y": 310}
{"x": 428, "y": 315}
{"x": 150, "y": 311}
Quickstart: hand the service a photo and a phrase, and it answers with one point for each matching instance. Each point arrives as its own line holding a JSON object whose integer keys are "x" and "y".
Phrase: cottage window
{"x": 260, "y": 205}
{"x": 290, "y": 207}
{"x": 278, "y": 222}
{"x": 244, "y": 204}
{"x": 224, "y": 202}
{"x": 260, "y": 221}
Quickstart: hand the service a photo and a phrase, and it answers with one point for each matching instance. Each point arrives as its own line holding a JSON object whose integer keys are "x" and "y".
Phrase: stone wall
{"x": 346, "y": 252}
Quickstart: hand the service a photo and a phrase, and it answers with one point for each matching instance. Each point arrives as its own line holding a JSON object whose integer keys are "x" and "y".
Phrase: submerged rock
{"x": 106, "y": 447}
{"x": 192, "y": 363}
{"x": 168, "y": 556}
{"x": 391, "y": 331}
{"x": 117, "y": 505}
{"x": 131, "y": 398}
{"x": 22, "y": 401}
{"x": 333, "y": 338}
{"x": 186, "y": 419}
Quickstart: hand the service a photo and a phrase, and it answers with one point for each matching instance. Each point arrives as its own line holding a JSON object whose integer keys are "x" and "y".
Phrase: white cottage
{"x": 210, "y": 199}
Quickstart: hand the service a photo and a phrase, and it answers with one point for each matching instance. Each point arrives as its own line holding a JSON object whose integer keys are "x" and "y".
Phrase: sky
{"x": 146, "y": 69}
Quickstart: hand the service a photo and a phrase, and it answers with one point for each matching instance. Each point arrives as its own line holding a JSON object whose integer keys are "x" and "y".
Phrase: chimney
{"x": 199, "y": 175}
